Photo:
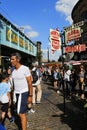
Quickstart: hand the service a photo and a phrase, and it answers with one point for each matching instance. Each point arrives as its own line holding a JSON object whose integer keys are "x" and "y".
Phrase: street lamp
{"x": 62, "y": 51}
{"x": 48, "y": 54}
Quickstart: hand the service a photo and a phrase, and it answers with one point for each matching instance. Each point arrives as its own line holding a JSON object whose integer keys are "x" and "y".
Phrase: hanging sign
{"x": 55, "y": 40}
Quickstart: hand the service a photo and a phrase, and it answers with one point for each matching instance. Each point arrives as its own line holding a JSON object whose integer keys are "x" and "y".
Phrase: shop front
{"x": 13, "y": 40}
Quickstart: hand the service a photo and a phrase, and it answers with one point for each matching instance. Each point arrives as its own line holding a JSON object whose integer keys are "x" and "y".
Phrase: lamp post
{"x": 62, "y": 48}
{"x": 48, "y": 54}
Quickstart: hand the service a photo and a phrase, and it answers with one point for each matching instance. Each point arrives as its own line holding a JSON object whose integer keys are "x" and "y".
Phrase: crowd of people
{"x": 72, "y": 79}
{"x": 20, "y": 86}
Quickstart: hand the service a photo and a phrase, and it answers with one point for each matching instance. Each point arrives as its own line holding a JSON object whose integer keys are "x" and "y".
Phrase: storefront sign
{"x": 18, "y": 40}
{"x": 81, "y": 23}
{"x": 76, "y": 48}
{"x": 72, "y": 34}
{"x": 12, "y": 37}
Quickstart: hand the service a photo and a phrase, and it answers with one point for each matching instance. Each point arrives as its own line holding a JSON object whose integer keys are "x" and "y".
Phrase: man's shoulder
{"x": 24, "y": 67}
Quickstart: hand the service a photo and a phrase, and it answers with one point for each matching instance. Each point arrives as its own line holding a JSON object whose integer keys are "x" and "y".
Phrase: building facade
{"x": 79, "y": 15}
{"x": 13, "y": 40}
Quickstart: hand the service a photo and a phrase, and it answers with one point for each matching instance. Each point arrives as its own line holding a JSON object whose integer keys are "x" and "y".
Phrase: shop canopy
{"x": 76, "y": 62}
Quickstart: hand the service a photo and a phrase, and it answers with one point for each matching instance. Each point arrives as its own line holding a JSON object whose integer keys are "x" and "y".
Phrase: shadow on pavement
{"x": 74, "y": 114}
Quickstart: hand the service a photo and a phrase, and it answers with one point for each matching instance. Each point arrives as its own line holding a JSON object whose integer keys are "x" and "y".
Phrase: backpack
{"x": 59, "y": 76}
{"x": 34, "y": 75}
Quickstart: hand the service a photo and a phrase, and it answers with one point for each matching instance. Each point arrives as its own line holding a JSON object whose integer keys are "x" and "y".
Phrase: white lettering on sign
{"x": 72, "y": 34}
{"x": 77, "y": 48}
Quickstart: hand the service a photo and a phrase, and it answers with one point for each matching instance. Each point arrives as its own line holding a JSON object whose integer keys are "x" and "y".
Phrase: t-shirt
{"x": 67, "y": 75}
{"x": 19, "y": 78}
{"x": 4, "y": 88}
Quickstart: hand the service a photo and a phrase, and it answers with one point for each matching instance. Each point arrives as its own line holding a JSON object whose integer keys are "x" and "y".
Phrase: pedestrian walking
{"x": 73, "y": 81}
{"x": 22, "y": 87}
{"x": 36, "y": 83}
{"x": 67, "y": 74}
{"x": 60, "y": 81}
{"x": 5, "y": 97}
{"x": 10, "y": 82}
{"x": 81, "y": 81}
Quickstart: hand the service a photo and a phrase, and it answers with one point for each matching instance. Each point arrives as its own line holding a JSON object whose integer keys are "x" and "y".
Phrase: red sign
{"x": 55, "y": 44}
{"x": 55, "y": 39}
{"x": 54, "y": 34}
{"x": 72, "y": 34}
{"x": 77, "y": 48}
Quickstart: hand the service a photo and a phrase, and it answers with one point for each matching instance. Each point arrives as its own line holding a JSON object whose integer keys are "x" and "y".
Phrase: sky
{"x": 37, "y": 17}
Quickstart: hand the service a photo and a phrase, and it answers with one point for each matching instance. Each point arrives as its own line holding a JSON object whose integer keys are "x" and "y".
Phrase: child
{"x": 10, "y": 82}
{"x": 5, "y": 97}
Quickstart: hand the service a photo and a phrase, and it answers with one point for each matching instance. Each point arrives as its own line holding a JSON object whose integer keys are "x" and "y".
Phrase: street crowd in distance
{"x": 21, "y": 89}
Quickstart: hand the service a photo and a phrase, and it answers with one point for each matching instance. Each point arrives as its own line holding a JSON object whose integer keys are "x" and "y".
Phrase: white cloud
{"x": 29, "y": 32}
{"x": 27, "y": 27}
{"x": 32, "y": 34}
{"x": 65, "y": 7}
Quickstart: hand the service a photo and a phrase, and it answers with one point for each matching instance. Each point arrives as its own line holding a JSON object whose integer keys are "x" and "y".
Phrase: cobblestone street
{"x": 49, "y": 115}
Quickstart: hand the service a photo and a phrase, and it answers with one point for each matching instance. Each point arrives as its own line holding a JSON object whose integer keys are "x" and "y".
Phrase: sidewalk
{"x": 49, "y": 115}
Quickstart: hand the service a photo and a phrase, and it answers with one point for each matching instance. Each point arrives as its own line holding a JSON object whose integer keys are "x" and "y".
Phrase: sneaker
{"x": 27, "y": 124}
{"x": 31, "y": 111}
{"x": 58, "y": 92}
{"x": 38, "y": 102}
{"x": 77, "y": 95}
{"x": 12, "y": 119}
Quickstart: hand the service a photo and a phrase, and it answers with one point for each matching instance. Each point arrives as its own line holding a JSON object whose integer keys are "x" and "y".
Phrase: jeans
{"x": 68, "y": 88}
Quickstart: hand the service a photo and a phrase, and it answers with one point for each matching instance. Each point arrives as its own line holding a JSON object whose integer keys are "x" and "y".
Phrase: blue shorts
{"x": 22, "y": 102}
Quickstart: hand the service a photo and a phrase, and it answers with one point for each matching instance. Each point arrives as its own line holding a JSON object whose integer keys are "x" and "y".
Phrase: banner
{"x": 55, "y": 40}
{"x": 72, "y": 34}
{"x": 76, "y": 48}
